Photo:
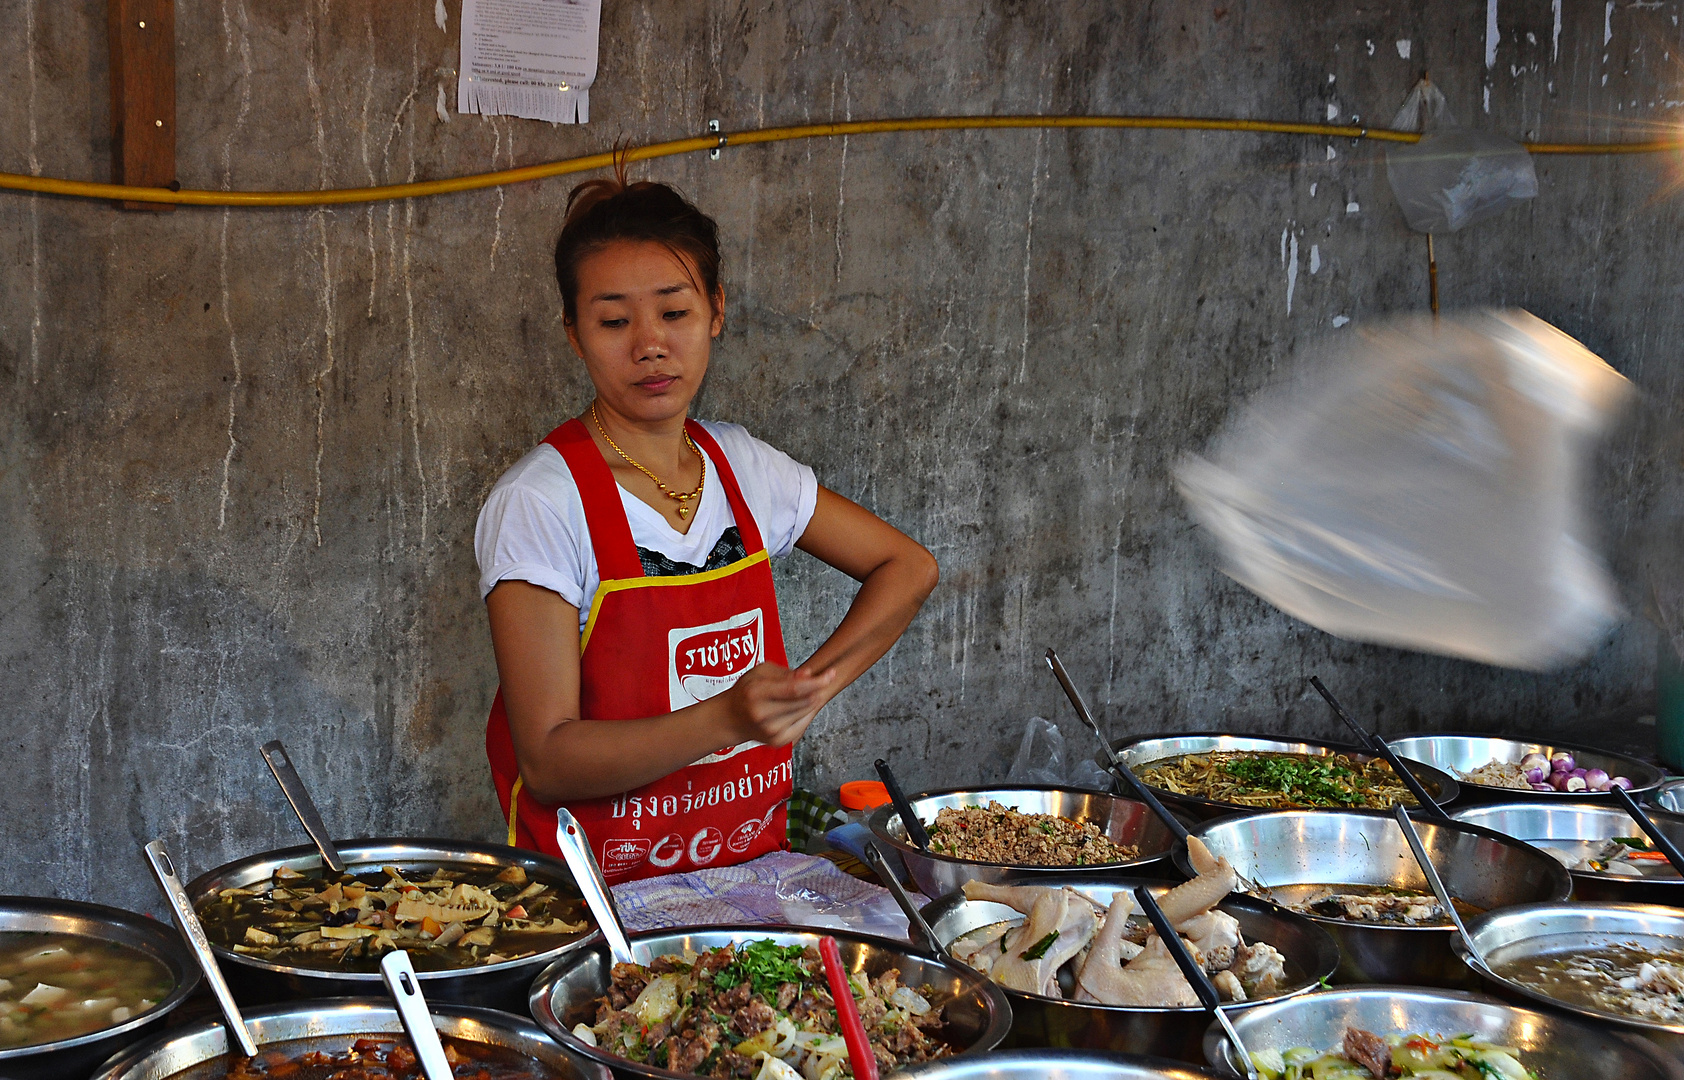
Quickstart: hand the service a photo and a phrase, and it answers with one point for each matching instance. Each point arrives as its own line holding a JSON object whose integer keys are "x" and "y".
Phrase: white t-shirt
{"x": 532, "y": 526}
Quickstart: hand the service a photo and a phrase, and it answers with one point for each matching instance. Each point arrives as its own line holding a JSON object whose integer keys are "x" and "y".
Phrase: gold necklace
{"x": 683, "y": 498}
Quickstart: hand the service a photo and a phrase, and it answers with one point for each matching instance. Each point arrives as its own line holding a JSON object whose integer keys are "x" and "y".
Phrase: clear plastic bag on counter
{"x": 1423, "y": 488}
{"x": 1042, "y": 759}
{"x": 1454, "y": 176}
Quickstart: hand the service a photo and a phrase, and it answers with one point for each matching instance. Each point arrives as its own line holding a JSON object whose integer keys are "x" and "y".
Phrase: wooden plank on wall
{"x": 142, "y": 40}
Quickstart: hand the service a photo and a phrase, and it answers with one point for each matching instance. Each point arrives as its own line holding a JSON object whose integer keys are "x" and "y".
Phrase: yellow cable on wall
{"x": 191, "y": 197}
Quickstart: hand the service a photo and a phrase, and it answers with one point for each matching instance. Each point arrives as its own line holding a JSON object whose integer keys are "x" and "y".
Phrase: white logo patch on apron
{"x": 704, "y": 662}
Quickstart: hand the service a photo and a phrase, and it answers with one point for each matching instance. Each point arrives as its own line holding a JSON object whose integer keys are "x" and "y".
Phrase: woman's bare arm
{"x": 535, "y": 634}
{"x": 896, "y": 575}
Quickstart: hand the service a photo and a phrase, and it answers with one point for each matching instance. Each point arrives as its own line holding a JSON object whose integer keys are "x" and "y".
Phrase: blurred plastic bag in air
{"x": 1454, "y": 176}
{"x": 1424, "y": 491}
{"x": 1042, "y": 760}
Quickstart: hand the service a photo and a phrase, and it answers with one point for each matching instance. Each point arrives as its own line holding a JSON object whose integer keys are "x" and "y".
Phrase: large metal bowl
{"x": 1544, "y": 931}
{"x": 1143, "y": 751}
{"x": 1284, "y": 848}
{"x": 200, "y": 1051}
{"x": 1054, "y": 1065}
{"x": 976, "y": 1010}
{"x": 496, "y": 986}
{"x": 1171, "y": 1032}
{"x": 1579, "y": 829}
{"x": 74, "y": 1058}
{"x": 1550, "y": 1044}
{"x": 1458, "y": 753}
{"x": 1125, "y": 821}
{"x": 1665, "y": 801}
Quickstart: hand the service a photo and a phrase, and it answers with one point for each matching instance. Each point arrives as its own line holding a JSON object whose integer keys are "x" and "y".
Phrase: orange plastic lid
{"x": 863, "y": 795}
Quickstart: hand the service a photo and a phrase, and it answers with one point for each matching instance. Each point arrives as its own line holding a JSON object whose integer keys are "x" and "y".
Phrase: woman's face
{"x": 643, "y": 329}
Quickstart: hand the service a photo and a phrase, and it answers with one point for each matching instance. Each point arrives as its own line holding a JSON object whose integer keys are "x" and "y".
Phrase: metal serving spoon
{"x": 917, "y": 925}
{"x": 1437, "y": 884}
{"x": 576, "y": 849}
{"x": 1666, "y": 846}
{"x": 188, "y": 923}
{"x": 1118, "y": 768}
{"x": 1195, "y": 974}
{"x": 1378, "y": 745}
{"x": 903, "y": 806}
{"x": 398, "y": 974}
{"x": 275, "y": 756}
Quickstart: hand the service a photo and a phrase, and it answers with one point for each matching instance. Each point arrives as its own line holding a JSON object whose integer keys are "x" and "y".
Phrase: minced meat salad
{"x": 761, "y": 1012}
{"x": 1000, "y": 834}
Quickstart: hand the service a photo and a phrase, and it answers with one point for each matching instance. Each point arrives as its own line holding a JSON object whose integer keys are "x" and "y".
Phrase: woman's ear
{"x": 718, "y": 311}
{"x": 573, "y": 336}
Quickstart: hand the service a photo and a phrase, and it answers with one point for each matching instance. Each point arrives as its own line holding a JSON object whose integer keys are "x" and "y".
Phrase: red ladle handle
{"x": 847, "y": 1013}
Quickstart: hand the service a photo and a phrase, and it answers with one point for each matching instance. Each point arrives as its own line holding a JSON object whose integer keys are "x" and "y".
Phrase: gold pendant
{"x": 683, "y": 511}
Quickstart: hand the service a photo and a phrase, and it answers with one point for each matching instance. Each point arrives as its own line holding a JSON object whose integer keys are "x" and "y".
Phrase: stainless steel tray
{"x": 1578, "y": 825}
{"x": 1553, "y": 1045}
{"x": 1283, "y": 848}
{"x": 74, "y": 1057}
{"x": 977, "y": 1013}
{"x": 1140, "y": 752}
{"x": 1172, "y": 1032}
{"x": 1457, "y": 752}
{"x": 1124, "y": 821}
{"x": 500, "y": 986}
{"x": 1542, "y": 931}
{"x": 199, "y": 1051}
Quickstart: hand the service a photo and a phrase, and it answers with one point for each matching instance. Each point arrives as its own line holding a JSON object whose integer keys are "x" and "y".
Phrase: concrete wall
{"x": 243, "y": 450}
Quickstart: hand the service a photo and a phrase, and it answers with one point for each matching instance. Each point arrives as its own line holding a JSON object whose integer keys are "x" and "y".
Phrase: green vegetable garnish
{"x": 1317, "y": 783}
{"x": 1039, "y": 949}
{"x": 765, "y": 966}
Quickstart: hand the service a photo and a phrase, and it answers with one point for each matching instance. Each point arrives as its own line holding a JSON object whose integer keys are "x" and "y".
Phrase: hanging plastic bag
{"x": 1042, "y": 760}
{"x": 1454, "y": 176}
{"x": 1425, "y": 491}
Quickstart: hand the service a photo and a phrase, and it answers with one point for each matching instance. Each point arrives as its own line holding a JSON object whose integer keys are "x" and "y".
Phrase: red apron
{"x": 653, "y": 645}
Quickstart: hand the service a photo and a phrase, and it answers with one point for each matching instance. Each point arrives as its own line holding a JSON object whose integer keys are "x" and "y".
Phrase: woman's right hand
{"x": 773, "y": 705}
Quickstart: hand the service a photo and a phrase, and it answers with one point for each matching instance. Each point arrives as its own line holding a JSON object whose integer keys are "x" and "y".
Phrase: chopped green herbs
{"x": 765, "y": 966}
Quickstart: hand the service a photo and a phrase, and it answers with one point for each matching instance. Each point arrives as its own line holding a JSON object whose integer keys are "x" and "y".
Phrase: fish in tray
{"x": 1108, "y": 959}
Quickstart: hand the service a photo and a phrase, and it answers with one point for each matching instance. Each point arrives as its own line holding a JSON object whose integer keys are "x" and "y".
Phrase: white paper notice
{"x": 529, "y": 58}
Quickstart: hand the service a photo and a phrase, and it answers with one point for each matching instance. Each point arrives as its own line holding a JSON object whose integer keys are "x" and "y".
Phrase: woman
{"x": 624, "y": 566}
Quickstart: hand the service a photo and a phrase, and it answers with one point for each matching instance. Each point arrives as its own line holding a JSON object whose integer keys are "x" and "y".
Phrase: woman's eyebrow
{"x": 665, "y": 290}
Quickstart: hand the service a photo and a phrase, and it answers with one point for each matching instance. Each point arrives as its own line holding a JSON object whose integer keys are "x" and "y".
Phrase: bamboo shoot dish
{"x": 1363, "y": 1055}
{"x": 1003, "y": 835}
{"x": 1626, "y": 980}
{"x": 446, "y": 918}
{"x": 1068, "y": 943}
{"x": 761, "y": 1011}
{"x": 60, "y": 986}
{"x": 1280, "y": 781}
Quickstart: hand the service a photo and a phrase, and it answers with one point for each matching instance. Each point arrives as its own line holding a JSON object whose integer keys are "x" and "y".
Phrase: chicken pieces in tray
{"x": 1112, "y": 961}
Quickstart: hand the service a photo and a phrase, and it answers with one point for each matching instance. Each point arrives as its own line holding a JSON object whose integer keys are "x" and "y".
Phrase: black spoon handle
{"x": 914, "y": 827}
{"x": 1378, "y": 745}
{"x": 1668, "y": 848}
{"x": 1196, "y": 977}
{"x": 1118, "y": 769}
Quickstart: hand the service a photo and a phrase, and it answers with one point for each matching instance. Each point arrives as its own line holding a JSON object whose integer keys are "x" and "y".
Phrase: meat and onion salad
{"x": 762, "y": 1011}
{"x": 1002, "y": 834}
{"x": 447, "y": 918}
{"x": 1363, "y": 1055}
{"x": 1070, "y": 945}
{"x": 1626, "y": 979}
{"x": 1280, "y": 781}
